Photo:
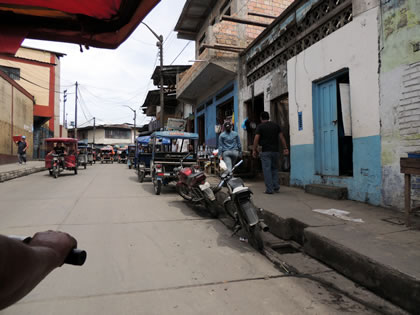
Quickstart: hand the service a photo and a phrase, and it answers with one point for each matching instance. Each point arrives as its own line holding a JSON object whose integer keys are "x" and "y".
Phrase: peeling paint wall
{"x": 399, "y": 93}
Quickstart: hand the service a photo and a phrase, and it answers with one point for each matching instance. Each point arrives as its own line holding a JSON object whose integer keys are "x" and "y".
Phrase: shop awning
{"x": 97, "y": 23}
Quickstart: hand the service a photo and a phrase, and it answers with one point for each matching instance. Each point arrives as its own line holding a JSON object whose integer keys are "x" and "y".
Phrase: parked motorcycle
{"x": 240, "y": 207}
{"x": 193, "y": 187}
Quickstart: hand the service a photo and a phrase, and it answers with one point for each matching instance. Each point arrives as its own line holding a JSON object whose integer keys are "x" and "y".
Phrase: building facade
{"x": 106, "y": 134}
{"x": 38, "y": 72}
{"x": 220, "y": 29}
{"x": 16, "y": 118}
{"x": 341, "y": 78}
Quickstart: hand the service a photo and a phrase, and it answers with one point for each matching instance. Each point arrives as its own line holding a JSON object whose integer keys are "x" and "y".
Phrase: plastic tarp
{"x": 175, "y": 135}
{"x": 97, "y": 23}
{"x": 145, "y": 140}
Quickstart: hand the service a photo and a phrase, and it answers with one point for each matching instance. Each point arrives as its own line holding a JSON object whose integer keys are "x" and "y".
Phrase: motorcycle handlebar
{"x": 76, "y": 256}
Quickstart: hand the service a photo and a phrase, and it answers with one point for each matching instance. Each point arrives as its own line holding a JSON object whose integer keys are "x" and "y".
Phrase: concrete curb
{"x": 5, "y": 176}
{"x": 383, "y": 280}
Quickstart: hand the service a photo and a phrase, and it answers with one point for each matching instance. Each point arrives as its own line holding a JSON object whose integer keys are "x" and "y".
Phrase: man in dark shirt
{"x": 267, "y": 135}
{"x": 22, "y": 147}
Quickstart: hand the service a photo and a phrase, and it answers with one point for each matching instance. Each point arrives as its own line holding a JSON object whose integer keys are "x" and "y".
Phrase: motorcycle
{"x": 240, "y": 207}
{"x": 193, "y": 187}
{"x": 57, "y": 164}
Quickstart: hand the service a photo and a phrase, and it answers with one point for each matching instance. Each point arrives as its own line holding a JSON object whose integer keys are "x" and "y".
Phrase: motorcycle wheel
{"x": 55, "y": 171}
{"x": 255, "y": 239}
{"x": 212, "y": 208}
{"x": 184, "y": 192}
{"x": 140, "y": 175}
{"x": 50, "y": 170}
{"x": 158, "y": 187}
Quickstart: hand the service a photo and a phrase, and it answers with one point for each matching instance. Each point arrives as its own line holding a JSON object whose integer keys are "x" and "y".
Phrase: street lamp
{"x": 162, "y": 104}
{"x": 135, "y": 115}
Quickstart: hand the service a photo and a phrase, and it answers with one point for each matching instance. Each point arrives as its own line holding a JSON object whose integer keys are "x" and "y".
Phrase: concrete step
{"x": 331, "y": 192}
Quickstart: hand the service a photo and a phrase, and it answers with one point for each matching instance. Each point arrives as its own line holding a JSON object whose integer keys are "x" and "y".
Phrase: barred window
{"x": 13, "y": 73}
{"x": 117, "y": 134}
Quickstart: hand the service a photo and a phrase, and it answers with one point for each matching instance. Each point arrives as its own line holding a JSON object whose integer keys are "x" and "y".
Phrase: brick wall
{"x": 267, "y": 7}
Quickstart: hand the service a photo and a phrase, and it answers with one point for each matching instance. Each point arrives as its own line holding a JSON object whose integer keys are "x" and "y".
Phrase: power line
{"x": 180, "y": 53}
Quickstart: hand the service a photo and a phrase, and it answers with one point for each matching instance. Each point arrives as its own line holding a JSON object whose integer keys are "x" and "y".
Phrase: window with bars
{"x": 13, "y": 73}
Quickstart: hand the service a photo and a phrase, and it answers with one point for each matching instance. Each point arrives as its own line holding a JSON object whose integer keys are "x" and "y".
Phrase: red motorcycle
{"x": 193, "y": 187}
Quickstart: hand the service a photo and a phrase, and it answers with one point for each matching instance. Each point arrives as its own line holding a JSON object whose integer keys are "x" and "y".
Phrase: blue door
{"x": 325, "y": 128}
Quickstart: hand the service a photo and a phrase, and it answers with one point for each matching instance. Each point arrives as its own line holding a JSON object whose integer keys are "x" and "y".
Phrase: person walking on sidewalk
{"x": 229, "y": 146}
{"x": 22, "y": 147}
{"x": 267, "y": 135}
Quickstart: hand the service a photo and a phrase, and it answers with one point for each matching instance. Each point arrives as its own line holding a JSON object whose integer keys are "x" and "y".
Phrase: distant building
{"x": 106, "y": 134}
{"x": 38, "y": 72}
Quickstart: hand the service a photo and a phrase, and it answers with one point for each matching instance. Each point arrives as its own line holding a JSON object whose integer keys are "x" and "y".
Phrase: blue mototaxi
{"x": 164, "y": 160}
{"x": 144, "y": 155}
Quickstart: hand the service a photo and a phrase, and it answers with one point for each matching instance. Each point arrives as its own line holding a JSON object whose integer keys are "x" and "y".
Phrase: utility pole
{"x": 64, "y": 109}
{"x": 162, "y": 101}
{"x": 94, "y": 129}
{"x": 75, "y": 114}
{"x": 135, "y": 115}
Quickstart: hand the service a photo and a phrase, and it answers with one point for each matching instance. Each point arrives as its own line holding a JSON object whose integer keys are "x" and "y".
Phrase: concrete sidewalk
{"x": 15, "y": 170}
{"x": 381, "y": 253}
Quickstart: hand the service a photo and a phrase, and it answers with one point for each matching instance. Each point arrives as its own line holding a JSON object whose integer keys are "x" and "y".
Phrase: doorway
{"x": 279, "y": 113}
{"x": 254, "y": 109}
{"x": 332, "y": 127}
{"x": 201, "y": 129}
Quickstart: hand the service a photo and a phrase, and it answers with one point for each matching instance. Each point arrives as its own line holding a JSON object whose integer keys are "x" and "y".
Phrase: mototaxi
{"x": 82, "y": 154}
{"x": 166, "y": 160}
{"x": 107, "y": 155}
{"x": 61, "y": 155}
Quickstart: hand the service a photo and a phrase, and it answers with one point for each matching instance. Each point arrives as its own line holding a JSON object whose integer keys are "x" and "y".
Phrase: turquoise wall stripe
{"x": 364, "y": 185}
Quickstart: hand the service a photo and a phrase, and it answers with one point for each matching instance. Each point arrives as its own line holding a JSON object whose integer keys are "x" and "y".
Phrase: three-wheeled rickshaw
{"x": 144, "y": 155}
{"x": 165, "y": 159}
{"x": 61, "y": 154}
{"x": 82, "y": 154}
{"x": 107, "y": 155}
{"x": 131, "y": 156}
{"x": 90, "y": 155}
{"x": 122, "y": 154}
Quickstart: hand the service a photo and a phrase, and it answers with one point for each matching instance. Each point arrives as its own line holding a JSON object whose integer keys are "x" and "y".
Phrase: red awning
{"x": 97, "y": 23}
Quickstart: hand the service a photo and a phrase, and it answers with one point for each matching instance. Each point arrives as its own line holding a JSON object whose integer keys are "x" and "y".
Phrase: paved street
{"x": 148, "y": 254}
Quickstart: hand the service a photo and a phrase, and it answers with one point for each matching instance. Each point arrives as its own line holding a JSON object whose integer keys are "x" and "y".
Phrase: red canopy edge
{"x": 102, "y": 9}
{"x": 11, "y": 36}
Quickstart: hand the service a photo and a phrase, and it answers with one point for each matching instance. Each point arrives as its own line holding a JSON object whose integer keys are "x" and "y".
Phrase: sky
{"x": 109, "y": 80}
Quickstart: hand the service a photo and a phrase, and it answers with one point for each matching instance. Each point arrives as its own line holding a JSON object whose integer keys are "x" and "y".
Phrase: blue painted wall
{"x": 211, "y": 110}
{"x": 364, "y": 185}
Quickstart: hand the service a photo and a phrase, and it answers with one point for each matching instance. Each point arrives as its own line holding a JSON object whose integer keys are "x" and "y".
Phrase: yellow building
{"x": 38, "y": 72}
{"x": 16, "y": 118}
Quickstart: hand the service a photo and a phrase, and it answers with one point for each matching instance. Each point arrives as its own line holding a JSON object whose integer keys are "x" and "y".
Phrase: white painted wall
{"x": 354, "y": 46}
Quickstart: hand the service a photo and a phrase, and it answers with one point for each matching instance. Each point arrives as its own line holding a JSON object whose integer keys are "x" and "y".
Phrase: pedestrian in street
{"x": 23, "y": 266}
{"x": 229, "y": 146}
{"x": 267, "y": 135}
{"x": 22, "y": 147}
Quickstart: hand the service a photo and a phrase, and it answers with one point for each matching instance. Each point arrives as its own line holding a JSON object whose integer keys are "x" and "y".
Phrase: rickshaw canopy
{"x": 97, "y": 23}
{"x": 147, "y": 140}
{"x": 63, "y": 140}
{"x": 174, "y": 135}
